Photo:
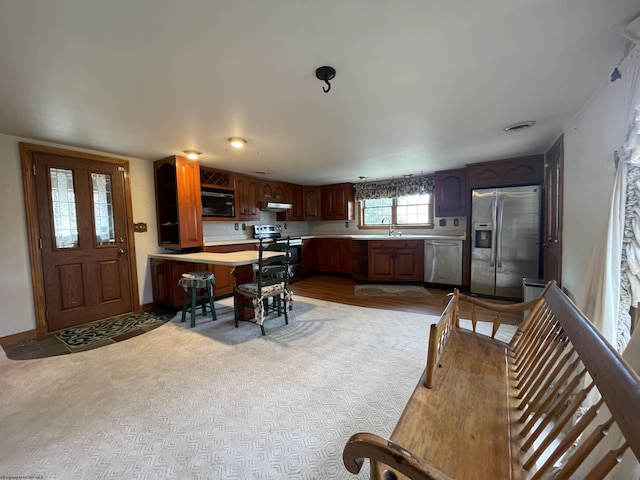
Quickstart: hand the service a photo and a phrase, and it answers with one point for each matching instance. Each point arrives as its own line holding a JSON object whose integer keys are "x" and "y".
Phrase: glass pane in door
{"x": 63, "y": 201}
{"x": 103, "y": 209}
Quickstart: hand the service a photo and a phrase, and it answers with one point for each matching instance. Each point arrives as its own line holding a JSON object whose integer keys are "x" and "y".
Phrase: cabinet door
{"x": 552, "y": 246}
{"x": 189, "y": 202}
{"x": 344, "y": 202}
{"x": 451, "y": 193}
{"x": 311, "y": 203}
{"x": 341, "y": 255}
{"x": 271, "y": 190}
{"x": 293, "y": 194}
{"x": 161, "y": 281}
{"x": 247, "y": 192}
{"x": 409, "y": 265}
{"x": 178, "y": 202}
{"x": 486, "y": 174}
{"x": 381, "y": 265}
{"x": 524, "y": 171}
{"x": 327, "y": 203}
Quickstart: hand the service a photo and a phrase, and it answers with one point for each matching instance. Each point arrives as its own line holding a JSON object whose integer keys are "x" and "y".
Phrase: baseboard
{"x": 18, "y": 337}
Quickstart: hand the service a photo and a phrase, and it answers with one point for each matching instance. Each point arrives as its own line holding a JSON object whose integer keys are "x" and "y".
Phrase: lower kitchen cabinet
{"x": 396, "y": 260}
{"x": 165, "y": 275}
{"x": 333, "y": 255}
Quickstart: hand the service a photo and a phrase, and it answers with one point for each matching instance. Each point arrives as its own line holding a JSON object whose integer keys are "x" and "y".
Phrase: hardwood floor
{"x": 340, "y": 290}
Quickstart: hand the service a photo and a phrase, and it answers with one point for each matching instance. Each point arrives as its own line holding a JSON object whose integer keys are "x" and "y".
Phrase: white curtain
{"x": 614, "y": 278}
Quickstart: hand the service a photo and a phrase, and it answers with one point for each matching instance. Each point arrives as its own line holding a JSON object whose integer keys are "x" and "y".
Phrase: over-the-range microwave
{"x": 217, "y": 203}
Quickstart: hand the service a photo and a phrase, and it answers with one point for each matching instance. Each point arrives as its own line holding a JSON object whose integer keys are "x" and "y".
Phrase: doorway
{"x": 80, "y": 237}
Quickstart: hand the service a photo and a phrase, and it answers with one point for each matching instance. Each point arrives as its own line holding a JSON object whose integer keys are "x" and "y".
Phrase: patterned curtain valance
{"x": 395, "y": 188}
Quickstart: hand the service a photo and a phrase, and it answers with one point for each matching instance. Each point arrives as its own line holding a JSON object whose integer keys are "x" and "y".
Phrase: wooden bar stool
{"x": 198, "y": 287}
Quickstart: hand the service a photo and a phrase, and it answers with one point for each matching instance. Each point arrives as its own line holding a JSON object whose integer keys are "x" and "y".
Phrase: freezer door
{"x": 483, "y": 241}
{"x": 518, "y": 239}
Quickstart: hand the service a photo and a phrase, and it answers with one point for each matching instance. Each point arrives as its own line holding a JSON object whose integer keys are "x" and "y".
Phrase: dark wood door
{"x": 83, "y": 239}
{"x": 553, "y": 180}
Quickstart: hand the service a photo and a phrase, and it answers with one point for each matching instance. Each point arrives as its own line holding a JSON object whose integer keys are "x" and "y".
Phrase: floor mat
{"x": 391, "y": 290}
{"x": 112, "y": 330}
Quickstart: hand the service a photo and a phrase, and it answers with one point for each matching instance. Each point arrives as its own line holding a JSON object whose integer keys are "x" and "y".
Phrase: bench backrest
{"x": 567, "y": 385}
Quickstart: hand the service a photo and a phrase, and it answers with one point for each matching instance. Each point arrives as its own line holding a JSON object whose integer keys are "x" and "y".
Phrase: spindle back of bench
{"x": 563, "y": 373}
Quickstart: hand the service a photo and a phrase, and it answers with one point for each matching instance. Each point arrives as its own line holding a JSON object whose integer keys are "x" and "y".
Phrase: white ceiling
{"x": 421, "y": 85}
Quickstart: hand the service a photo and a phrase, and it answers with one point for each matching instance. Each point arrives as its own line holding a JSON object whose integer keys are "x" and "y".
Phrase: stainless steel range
{"x": 274, "y": 232}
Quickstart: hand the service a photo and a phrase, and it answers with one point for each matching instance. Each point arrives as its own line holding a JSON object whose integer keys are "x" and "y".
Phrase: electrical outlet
{"x": 236, "y": 227}
{"x": 443, "y": 222}
{"x": 285, "y": 226}
{"x": 456, "y": 222}
{"x": 244, "y": 227}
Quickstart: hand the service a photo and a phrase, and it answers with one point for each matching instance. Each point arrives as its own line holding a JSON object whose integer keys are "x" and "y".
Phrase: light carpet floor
{"x": 215, "y": 402}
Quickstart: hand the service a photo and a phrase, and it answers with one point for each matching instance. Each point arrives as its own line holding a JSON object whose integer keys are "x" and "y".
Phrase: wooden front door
{"x": 83, "y": 239}
{"x": 553, "y": 180}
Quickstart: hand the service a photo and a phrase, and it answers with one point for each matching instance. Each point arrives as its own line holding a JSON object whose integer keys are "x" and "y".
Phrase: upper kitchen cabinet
{"x": 247, "y": 197}
{"x": 337, "y": 202}
{"x": 451, "y": 193}
{"x": 178, "y": 202}
{"x": 214, "y": 178}
{"x": 293, "y": 194}
{"x": 271, "y": 190}
{"x": 506, "y": 173}
{"x": 311, "y": 203}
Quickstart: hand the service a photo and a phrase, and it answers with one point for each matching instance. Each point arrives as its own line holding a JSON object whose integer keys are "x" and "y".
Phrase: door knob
{"x": 120, "y": 251}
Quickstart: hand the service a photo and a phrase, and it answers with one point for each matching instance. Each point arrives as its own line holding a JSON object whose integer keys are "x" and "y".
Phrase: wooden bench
{"x": 485, "y": 409}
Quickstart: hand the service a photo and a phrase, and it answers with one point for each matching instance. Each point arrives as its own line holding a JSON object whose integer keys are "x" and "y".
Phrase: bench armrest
{"x": 381, "y": 450}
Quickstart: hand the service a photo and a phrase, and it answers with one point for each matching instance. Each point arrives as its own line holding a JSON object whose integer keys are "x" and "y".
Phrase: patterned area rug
{"x": 111, "y": 330}
{"x": 377, "y": 290}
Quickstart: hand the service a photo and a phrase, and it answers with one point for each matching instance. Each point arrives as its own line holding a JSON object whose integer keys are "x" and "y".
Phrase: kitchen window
{"x": 406, "y": 211}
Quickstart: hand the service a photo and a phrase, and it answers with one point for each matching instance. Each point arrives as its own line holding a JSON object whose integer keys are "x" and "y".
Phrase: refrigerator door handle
{"x": 492, "y": 260}
{"x": 499, "y": 229}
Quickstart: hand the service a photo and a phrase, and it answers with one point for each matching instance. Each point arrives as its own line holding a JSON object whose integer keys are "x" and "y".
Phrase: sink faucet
{"x": 390, "y": 225}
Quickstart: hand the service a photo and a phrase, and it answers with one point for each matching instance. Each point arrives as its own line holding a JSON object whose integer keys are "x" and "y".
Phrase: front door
{"x": 84, "y": 244}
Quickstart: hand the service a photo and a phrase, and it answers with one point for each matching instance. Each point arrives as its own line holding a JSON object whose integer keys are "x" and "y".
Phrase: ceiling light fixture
{"x": 237, "y": 142}
{"x": 325, "y": 74}
{"x": 192, "y": 154}
{"x": 518, "y": 127}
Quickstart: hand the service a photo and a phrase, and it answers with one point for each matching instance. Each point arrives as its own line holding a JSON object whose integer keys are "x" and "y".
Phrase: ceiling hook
{"x": 325, "y": 74}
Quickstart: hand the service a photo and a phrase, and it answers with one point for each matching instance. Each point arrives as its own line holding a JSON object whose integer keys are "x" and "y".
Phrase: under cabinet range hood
{"x": 268, "y": 206}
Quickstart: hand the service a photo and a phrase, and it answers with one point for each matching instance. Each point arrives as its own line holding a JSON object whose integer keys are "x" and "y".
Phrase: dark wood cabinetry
{"x": 214, "y": 178}
{"x": 332, "y": 255}
{"x": 271, "y": 190}
{"x": 396, "y": 260}
{"x": 507, "y": 172}
{"x": 337, "y": 202}
{"x": 178, "y": 202}
{"x": 553, "y": 182}
{"x": 294, "y": 195}
{"x": 165, "y": 275}
{"x": 311, "y": 204}
{"x": 247, "y": 196}
{"x": 451, "y": 193}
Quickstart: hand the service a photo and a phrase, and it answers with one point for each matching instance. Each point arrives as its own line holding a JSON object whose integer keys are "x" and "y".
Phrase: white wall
{"x": 590, "y": 141}
{"x": 16, "y": 294}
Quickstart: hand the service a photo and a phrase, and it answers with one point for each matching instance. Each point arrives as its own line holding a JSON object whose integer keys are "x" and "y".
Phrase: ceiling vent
{"x": 518, "y": 127}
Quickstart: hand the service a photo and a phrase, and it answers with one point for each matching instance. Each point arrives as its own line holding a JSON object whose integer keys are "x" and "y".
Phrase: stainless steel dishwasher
{"x": 443, "y": 261}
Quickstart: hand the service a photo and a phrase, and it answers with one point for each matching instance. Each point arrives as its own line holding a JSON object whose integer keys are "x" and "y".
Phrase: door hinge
{"x": 33, "y": 167}
{"x": 46, "y": 315}
{"x": 120, "y": 168}
{"x": 40, "y": 242}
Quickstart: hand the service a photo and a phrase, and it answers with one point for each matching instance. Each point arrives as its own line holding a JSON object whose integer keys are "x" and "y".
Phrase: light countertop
{"x": 354, "y": 237}
{"x": 232, "y": 259}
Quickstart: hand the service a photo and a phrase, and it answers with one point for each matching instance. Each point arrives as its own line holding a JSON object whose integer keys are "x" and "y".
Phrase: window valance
{"x": 400, "y": 187}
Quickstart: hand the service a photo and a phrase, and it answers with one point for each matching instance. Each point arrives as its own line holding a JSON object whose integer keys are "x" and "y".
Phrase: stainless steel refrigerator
{"x": 505, "y": 237}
